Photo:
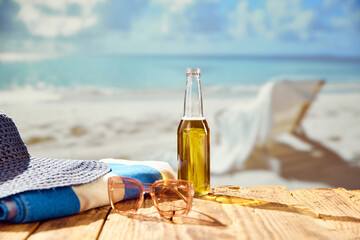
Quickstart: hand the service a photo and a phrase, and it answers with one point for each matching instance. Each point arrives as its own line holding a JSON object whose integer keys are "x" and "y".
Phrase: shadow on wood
{"x": 285, "y": 203}
{"x": 80, "y": 226}
{"x": 203, "y": 213}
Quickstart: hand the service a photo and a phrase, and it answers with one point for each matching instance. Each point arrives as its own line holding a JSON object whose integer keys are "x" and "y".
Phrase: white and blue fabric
{"x": 34, "y": 189}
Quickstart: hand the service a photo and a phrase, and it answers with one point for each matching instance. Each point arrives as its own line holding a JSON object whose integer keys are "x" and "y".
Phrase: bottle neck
{"x": 193, "y": 106}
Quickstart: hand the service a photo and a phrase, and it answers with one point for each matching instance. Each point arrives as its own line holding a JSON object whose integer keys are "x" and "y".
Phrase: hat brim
{"x": 19, "y": 175}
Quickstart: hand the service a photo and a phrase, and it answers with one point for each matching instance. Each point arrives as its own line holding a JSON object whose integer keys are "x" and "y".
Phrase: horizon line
{"x": 318, "y": 57}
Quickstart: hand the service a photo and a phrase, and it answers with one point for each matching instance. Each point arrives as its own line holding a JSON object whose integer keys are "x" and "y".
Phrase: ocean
{"x": 149, "y": 72}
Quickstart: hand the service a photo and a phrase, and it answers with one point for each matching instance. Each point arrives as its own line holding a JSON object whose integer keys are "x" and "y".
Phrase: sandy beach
{"x": 142, "y": 124}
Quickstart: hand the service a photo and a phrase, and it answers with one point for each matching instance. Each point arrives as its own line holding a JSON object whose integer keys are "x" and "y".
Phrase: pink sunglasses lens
{"x": 123, "y": 189}
{"x": 172, "y": 200}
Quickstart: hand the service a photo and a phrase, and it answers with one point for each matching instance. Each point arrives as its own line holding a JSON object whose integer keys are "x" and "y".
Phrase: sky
{"x": 37, "y": 29}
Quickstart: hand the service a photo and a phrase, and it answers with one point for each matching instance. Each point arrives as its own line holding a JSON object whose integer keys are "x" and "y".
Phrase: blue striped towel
{"x": 64, "y": 201}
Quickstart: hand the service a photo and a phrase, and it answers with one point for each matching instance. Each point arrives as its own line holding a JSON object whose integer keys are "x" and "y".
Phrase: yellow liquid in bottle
{"x": 194, "y": 154}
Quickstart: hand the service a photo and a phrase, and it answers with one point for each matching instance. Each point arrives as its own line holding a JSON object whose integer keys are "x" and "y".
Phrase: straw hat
{"x": 20, "y": 172}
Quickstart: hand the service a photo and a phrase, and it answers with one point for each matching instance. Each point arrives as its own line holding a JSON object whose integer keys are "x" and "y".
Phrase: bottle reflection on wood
{"x": 193, "y": 137}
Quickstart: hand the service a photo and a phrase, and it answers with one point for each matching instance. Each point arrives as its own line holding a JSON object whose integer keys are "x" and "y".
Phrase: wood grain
{"x": 144, "y": 225}
{"x": 274, "y": 194}
{"x": 338, "y": 207}
{"x": 326, "y": 202}
{"x": 231, "y": 212}
{"x": 272, "y": 223}
{"x": 279, "y": 217}
{"x": 16, "y": 231}
{"x": 86, "y": 225}
{"x": 207, "y": 220}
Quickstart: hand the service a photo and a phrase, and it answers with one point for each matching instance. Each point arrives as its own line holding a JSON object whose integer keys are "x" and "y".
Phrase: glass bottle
{"x": 193, "y": 137}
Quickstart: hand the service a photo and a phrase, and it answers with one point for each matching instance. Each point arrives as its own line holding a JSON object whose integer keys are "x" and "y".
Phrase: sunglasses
{"x": 171, "y": 198}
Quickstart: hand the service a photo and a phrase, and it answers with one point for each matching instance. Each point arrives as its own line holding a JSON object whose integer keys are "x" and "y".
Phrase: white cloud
{"x": 174, "y": 5}
{"x": 302, "y": 20}
{"x": 278, "y": 10}
{"x": 241, "y": 17}
{"x": 258, "y": 21}
{"x": 58, "y": 23}
{"x": 277, "y": 19}
{"x": 150, "y": 28}
{"x": 167, "y": 24}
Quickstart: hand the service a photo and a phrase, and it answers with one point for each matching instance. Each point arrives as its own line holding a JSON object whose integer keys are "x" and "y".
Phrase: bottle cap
{"x": 193, "y": 70}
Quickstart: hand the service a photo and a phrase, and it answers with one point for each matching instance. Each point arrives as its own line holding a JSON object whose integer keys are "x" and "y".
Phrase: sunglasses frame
{"x": 173, "y": 184}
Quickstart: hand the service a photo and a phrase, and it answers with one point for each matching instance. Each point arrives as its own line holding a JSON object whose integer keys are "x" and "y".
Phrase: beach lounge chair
{"x": 290, "y": 104}
{"x": 280, "y": 106}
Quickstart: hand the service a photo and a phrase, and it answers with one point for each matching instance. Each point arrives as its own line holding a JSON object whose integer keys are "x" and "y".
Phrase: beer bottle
{"x": 193, "y": 137}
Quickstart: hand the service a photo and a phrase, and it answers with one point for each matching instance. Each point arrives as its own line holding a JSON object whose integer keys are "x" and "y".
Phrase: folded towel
{"x": 63, "y": 201}
{"x": 95, "y": 194}
{"x": 278, "y": 107}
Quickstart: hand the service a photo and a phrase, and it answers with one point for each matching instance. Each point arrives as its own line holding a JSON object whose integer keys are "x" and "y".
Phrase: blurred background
{"x": 105, "y": 78}
{"x": 147, "y": 44}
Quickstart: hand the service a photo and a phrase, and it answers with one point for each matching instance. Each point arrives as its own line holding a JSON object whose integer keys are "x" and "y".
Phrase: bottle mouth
{"x": 192, "y": 71}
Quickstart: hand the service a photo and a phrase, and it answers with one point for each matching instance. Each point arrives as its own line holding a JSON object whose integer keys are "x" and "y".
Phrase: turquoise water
{"x": 169, "y": 71}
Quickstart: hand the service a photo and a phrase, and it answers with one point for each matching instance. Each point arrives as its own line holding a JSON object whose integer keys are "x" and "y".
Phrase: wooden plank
{"x": 336, "y": 206}
{"x": 16, "y": 231}
{"x": 274, "y": 194}
{"x": 275, "y": 222}
{"x": 212, "y": 218}
{"x": 355, "y": 196}
{"x": 328, "y": 202}
{"x": 277, "y": 215}
{"x": 263, "y": 212}
{"x": 116, "y": 226}
{"x": 350, "y": 227}
{"x": 119, "y": 226}
{"x": 207, "y": 220}
{"x": 85, "y": 225}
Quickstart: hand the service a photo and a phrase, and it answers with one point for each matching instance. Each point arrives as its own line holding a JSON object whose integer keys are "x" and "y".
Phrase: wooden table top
{"x": 263, "y": 212}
